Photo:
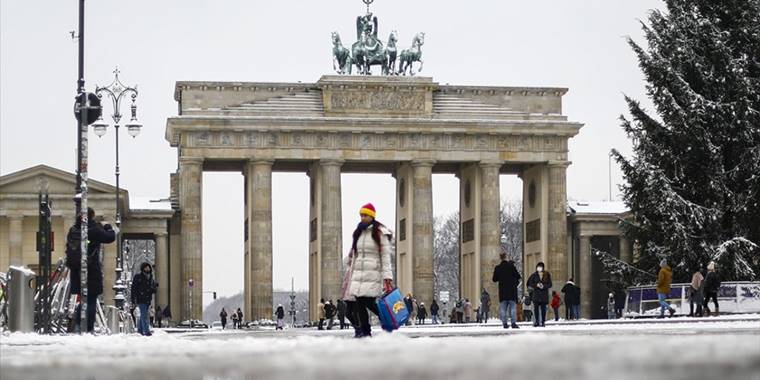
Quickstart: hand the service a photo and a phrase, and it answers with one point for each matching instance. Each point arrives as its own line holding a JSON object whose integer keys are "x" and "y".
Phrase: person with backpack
{"x": 572, "y": 302}
{"x": 280, "y": 315}
{"x": 143, "y": 288}
{"x": 97, "y": 234}
{"x": 234, "y": 321}
{"x": 508, "y": 277}
{"x": 434, "y": 309}
{"x": 223, "y": 317}
{"x": 711, "y": 288}
{"x": 369, "y": 265}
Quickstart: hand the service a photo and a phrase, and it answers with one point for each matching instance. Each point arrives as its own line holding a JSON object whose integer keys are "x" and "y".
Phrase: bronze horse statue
{"x": 411, "y": 55}
{"x": 341, "y": 56}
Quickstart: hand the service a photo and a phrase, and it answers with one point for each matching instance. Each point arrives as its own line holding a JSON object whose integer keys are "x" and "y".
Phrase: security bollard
{"x": 20, "y": 299}
{"x": 112, "y": 318}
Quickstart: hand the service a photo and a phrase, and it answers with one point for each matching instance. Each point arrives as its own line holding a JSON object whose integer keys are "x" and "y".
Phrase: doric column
{"x": 259, "y": 177}
{"x": 15, "y": 239}
{"x": 625, "y": 250}
{"x": 422, "y": 230}
{"x": 490, "y": 230}
{"x": 190, "y": 202}
{"x": 162, "y": 269}
{"x": 557, "y": 224}
{"x": 331, "y": 243}
{"x": 585, "y": 274}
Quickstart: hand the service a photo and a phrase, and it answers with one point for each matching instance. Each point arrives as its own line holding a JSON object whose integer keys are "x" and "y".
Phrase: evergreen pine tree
{"x": 693, "y": 182}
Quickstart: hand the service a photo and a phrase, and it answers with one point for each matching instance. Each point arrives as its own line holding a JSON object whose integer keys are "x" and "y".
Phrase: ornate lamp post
{"x": 116, "y": 92}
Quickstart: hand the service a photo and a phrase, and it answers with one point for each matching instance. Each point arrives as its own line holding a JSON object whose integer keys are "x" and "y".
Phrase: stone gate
{"x": 410, "y": 127}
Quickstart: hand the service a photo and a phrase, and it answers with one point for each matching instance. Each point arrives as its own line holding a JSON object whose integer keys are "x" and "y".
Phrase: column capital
{"x": 422, "y": 162}
{"x": 185, "y": 160}
{"x": 490, "y": 164}
{"x": 261, "y": 161}
{"x": 160, "y": 234}
{"x": 331, "y": 162}
{"x": 15, "y": 217}
{"x": 558, "y": 164}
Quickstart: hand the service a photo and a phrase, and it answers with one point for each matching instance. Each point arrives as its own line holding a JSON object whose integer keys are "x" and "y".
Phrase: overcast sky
{"x": 575, "y": 44}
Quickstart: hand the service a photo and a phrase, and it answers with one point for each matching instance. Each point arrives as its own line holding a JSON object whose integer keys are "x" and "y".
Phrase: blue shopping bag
{"x": 392, "y": 310}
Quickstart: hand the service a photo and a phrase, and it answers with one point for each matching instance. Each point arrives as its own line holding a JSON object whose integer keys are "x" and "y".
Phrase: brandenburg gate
{"x": 406, "y": 126}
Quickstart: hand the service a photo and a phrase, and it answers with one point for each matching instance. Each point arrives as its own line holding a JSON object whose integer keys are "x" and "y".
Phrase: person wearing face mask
{"x": 369, "y": 271}
{"x": 143, "y": 287}
{"x": 539, "y": 284}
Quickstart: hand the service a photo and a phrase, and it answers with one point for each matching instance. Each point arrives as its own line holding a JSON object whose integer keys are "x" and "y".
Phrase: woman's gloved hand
{"x": 388, "y": 285}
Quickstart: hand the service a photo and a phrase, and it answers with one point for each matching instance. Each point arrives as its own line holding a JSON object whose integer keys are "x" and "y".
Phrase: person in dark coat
{"x": 421, "y": 314}
{"x": 619, "y": 303}
{"x": 97, "y": 234}
{"x": 223, "y": 317}
{"x": 485, "y": 306}
{"x": 508, "y": 277}
{"x": 143, "y": 287}
{"x": 434, "y": 308}
{"x": 572, "y": 302}
{"x": 167, "y": 315}
{"x": 159, "y": 316}
{"x": 711, "y": 288}
{"x": 409, "y": 303}
{"x": 280, "y": 314}
{"x": 329, "y": 313}
{"x": 539, "y": 284}
{"x": 240, "y": 318}
{"x": 342, "y": 314}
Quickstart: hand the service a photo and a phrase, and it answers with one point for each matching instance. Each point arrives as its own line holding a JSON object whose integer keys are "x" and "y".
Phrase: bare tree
{"x": 512, "y": 230}
{"x": 446, "y": 255}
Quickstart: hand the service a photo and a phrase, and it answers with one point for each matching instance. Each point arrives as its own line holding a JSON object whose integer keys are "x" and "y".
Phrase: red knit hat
{"x": 368, "y": 209}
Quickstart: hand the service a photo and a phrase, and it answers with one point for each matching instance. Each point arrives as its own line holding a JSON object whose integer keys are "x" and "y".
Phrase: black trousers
{"x": 361, "y": 315}
{"x": 92, "y": 304}
{"x": 714, "y": 296}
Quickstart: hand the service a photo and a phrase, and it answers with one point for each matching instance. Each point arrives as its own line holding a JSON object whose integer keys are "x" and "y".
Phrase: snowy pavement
{"x": 706, "y": 349}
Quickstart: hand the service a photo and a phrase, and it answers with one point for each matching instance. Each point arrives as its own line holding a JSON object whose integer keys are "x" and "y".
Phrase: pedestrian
{"x": 408, "y": 301}
{"x": 234, "y": 320}
{"x": 97, "y": 234}
{"x": 527, "y": 304}
{"x": 321, "y": 313}
{"x": 152, "y": 317}
{"x": 330, "y": 311}
{"x": 159, "y": 316}
{"x": 444, "y": 311}
{"x": 569, "y": 290}
{"x": 370, "y": 267}
{"x": 478, "y": 317}
{"x": 342, "y": 314}
{"x": 696, "y": 296}
{"x": 240, "y": 318}
{"x": 611, "y": 306}
{"x": 664, "y": 279}
{"x": 619, "y": 303}
{"x": 460, "y": 311}
{"x": 711, "y": 288}
{"x": 485, "y": 305}
{"x": 223, "y": 317}
{"x": 508, "y": 277}
{"x": 421, "y": 313}
{"x": 539, "y": 284}
{"x": 555, "y": 305}
{"x": 168, "y": 315}
{"x": 467, "y": 310}
{"x": 280, "y": 315}
{"x": 143, "y": 288}
{"x": 434, "y": 310}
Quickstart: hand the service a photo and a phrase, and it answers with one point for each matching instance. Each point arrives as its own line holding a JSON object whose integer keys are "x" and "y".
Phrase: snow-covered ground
{"x": 717, "y": 349}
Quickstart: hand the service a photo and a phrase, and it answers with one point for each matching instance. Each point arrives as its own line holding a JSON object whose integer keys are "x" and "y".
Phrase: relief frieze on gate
{"x": 374, "y": 141}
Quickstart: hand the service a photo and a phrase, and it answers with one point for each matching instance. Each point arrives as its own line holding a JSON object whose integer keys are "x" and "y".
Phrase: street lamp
{"x": 116, "y": 92}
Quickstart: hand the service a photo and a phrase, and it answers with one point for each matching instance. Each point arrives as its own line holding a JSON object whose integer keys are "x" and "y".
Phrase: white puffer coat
{"x": 370, "y": 266}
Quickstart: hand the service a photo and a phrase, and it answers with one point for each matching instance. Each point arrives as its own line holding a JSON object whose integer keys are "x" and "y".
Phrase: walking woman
{"x": 369, "y": 269}
{"x": 539, "y": 284}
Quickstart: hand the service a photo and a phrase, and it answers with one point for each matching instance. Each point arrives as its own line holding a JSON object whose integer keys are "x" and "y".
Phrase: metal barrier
{"x": 21, "y": 299}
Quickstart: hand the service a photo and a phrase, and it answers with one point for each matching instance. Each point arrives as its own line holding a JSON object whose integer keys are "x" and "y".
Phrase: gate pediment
{"x": 383, "y": 96}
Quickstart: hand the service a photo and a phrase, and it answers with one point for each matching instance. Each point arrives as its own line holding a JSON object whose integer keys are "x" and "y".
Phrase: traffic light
{"x": 214, "y": 295}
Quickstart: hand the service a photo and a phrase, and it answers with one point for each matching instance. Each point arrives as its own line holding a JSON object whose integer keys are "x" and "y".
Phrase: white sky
{"x": 575, "y": 44}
